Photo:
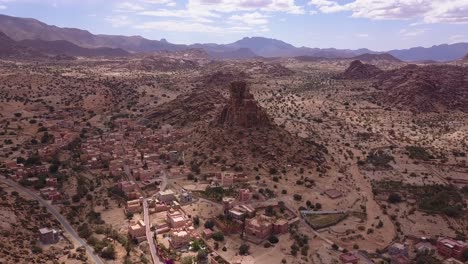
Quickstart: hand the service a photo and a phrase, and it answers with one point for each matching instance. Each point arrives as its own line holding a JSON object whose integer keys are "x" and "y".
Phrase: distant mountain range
{"x": 63, "y": 47}
{"x": 32, "y": 33}
{"x": 442, "y": 52}
{"x": 10, "y": 49}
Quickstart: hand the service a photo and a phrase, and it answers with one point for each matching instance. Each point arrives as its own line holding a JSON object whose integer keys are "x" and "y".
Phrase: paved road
{"x": 146, "y": 218}
{"x": 66, "y": 225}
{"x": 163, "y": 185}
{"x": 149, "y": 233}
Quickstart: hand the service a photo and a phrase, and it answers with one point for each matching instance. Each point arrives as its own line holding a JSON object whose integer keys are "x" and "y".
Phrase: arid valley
{"x": 178, "y": 157}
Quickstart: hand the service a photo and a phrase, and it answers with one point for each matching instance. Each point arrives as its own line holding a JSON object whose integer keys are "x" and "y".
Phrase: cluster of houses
{"x": 226, "y": 178}
{"x": 177, "y": 225}
{"x": 31, "y": 176}
{"x": 62, "y": 139}
{"x": 450, "y": 250}
{"x": 402, "y": 253}
{"x": 257, "y": 226}
{"x": 20, "y": 171}
{"x": 132, "y": 146}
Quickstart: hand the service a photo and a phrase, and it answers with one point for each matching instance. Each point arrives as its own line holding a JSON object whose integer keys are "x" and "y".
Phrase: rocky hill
{"x": 237, "y": 129}
{"x": 10, "y": 49}
{"x": 242, "y": 53}
{"x": 19, "y": 230}
{"x": 359, "y": 71}
{"x": 242, "y": 109}
{"x": 425, "y": 88}
{"x": 62, "y": 47}
{"x": 372, "y": 58}
{"x": 218, "y": 79}
{"x": 444, "y": 52}
{"x": 187, "y": 110}
{"x": 243, "y": 133}
{"x": 161, "y": 63}
{"x": 27, "y": 28}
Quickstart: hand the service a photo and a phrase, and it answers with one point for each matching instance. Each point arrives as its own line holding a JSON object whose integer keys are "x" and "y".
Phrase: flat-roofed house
{"x": 447, "y": 248}
{"x": 48, "y": 236}
{"x": 137, "y": 230}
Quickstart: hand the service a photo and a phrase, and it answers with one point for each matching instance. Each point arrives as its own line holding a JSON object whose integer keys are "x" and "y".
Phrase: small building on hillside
{"x": 450, "y": 248}
{"x": 137, "y": 230}
{"x": 398, "y": 249}
{"x": 176, "y": 219}
{"x": 166, "y": 196}
{"x": 48, "y": 236}
{"x": 333, "y": 193}
{"x": 349, "y": 258}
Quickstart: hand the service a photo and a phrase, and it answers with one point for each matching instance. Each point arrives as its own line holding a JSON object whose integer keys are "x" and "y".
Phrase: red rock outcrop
{"x": 220, "y": 78}
{"x": 242, "y": 110}
{"x": 425, "y": 89}
{"x": 358, "y": 70}
{"x": 188, "y": 109}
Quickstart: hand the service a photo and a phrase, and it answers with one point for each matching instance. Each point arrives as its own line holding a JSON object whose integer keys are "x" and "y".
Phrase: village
{"x": 215, "y": 216}
{"x": 164, "y": 168}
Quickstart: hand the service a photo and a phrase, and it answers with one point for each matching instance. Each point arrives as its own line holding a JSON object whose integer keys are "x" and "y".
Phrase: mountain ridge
{"x": 20, "y": 29}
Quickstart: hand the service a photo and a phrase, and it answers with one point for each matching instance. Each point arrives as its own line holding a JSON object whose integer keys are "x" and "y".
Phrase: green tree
{"x": 465, "y": 255}
{"x": 209, "y": 224}
{"x": 218, "y": 236}
{"x": 202, "y": 255}
{"x": 244, "y": 249}
{"x": 394, "y": 198}
{"x": 273, "y": 239}
{"x": 108, "y": 252}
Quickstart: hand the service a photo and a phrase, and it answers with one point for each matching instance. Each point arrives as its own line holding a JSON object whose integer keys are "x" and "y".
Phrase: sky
{"x": 379, "y": 25}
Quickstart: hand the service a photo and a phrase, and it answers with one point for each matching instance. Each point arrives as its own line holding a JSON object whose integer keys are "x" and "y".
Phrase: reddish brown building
{"x": 447, "y": 248}
{"x": 349, "y": 258}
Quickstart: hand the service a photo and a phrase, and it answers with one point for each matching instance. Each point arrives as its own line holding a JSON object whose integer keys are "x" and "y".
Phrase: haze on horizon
{"x": 351, "y": 24}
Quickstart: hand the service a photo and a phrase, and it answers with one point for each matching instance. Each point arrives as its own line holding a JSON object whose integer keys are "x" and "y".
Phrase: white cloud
{"x": 362, "y": 35}
{"x": 254, "y": 18}
{"x": 228, "y": 6}
{"x": 412, "y": 32}
{"x": 211, "y": 15}
{"x": 458, "y": 38}
{"x": 129, "y": 7}
{"x": 187, "y": 26}
{"x": 427, "y": 11}
{"x": 198, "y": 15}
{"x": 160, "y": 2}
{"x": 3, "y": 7}
{"x": 119, "y": 20}
{"x": 179, "y": 26}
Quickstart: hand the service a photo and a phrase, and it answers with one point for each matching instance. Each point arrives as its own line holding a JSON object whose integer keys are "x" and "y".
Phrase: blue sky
{"x": 375, "y": 24}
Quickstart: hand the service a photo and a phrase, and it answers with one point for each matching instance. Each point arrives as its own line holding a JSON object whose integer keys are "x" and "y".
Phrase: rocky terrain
{"x": 242, "y": 109}
{"x": 425, "y": 88}
{"x": 382, "y": 141}
{"x": 375, "y": 58}
{"x": 187, "y": 110}
{"x": 358, "y": 70}
{"x": 220, "y": 78}
{"x": 62, "y": 47}
{"x": 21, "y": 220}
{"x": 10, "y": 49}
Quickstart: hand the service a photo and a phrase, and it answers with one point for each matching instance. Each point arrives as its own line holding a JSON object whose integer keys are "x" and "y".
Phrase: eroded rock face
{"x": 188, "y": 109}
{"x": 358, "y": 70}
{"x": 433, "y": 88}
{"x": 242, "y": 110}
